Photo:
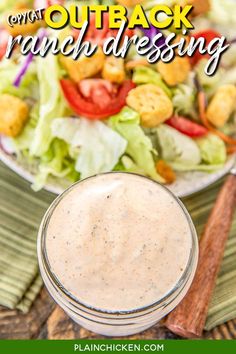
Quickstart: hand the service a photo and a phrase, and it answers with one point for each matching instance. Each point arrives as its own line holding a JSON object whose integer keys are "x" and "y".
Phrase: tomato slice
{"x": 3, "y": 42}
{"x": 89, "y": 107}
{"x": 187, "y": 127}
{"x": 98, "y": 90}
{"x": 98, "y": 36}
{"x": 87, "y": 86}
{"x": 209, "y": 35}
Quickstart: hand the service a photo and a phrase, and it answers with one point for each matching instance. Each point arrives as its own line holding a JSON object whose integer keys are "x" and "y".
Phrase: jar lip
{"x": 42, "y": 252}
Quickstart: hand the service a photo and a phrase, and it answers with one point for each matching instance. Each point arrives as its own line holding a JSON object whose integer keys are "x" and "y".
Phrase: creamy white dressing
{"x": 118, "y": 242}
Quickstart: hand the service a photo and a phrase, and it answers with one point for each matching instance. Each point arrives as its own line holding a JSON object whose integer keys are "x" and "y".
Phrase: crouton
{"x": 114, "y": 70}
{"x": 176, "y": 71}
{"x": 13, "y": 115}
{"x": 84, "y": 67}
{"x": 222, "y": 105}
{"x": 151, "y": 102}
{"x": 23, "y": 28}
{"x": 200, "y": 7}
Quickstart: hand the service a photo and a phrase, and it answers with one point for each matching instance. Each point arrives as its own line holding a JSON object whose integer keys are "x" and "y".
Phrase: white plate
{"x": 187, "y": 183}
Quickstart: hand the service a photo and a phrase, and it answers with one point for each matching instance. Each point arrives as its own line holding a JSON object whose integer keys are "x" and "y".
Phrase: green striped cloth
{"x": 21, "y": 211}
{"x": 223, "y": 304}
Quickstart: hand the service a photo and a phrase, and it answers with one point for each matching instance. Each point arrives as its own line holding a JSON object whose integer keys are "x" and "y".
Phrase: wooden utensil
{"x": 189, "y": 317}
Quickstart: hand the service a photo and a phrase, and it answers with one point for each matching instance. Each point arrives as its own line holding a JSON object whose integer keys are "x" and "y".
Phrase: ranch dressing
{"x": 118, "y": 242}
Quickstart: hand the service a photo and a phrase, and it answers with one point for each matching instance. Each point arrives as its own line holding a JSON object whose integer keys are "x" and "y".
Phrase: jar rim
{"x": 42, "y": 252}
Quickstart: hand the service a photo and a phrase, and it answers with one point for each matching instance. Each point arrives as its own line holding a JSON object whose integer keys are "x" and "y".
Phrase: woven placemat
{"x": 223, "y": 304}
{"x": 21, "y": 211}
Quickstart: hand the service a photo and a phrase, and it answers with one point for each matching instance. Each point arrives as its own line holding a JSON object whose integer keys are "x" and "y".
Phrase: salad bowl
{"x": 168, "y": 121}
{"x": 186, "y": 184}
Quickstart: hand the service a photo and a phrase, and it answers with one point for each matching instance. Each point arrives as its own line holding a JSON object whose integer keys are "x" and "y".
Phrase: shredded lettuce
{"x": 209, "y": 83}
{"x": 66, "y": 129}
{"x": 212, "y": 149}
{"x": 126, "y": 164}
{"x": 6, "y": 5}
{"x": 177, "y": 147}
{"x": 139, "y": 147}
{"x": 55, "y": 163}
{"x": 51, "y": 103}
{"x": 129, "y": 166}
{"x": 184, "y": 98}
{"x": 99, "y": 148}
{"x": 206, "y": 154}
{"x": 229, "y": 77}
{"x": 229, "y": 58}
{"x": 221, "y": 77}
{"x": 21, "y": 144}
{"x": 24, "y": 140}
{"x": 144, "y": 75}
{"x": 8, "y": 72}
{"x": 223, "y": 12}
{"x": 179, "y": 167}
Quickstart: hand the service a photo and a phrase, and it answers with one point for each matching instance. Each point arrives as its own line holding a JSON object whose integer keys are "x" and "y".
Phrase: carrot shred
{"x": 201, "y": 103}
{"x": 132, "y": 64}
{"x": 231, "y": 149}
{"x": 165, "y": 171}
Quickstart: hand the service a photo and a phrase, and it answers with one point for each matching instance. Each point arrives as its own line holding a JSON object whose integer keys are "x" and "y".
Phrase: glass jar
{"x": 112, "y": 323}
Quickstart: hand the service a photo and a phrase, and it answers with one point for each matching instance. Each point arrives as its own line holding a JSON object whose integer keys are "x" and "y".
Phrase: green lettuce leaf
{"x": 24, "y": 140}
{"x": 7, "y": 5}
{"x": 51, "y": 103}
{"x": 54, "y": 162}
{"x": 209, "y": 83}
{"x": 130, "y": 166}
{"x": 184, "y": 97}
{"x": 223, "y": 12}
{"x": 98, "y": 147}
{"x": 179, "y": 167}
{"x": 144, "y": 75}
{"x": 212, "y": 149}
{"x": 8, "y": 73}
{"x": 229, "y": 77}
{"x": 139, "y": 147}
{"x": 229, "y": 58}
{"x": 177, "y": 147}
{"x": 126, "y": 164}
{"x": 221, "y": 77}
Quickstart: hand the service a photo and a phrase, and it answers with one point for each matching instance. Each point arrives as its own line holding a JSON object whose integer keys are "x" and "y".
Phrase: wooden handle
{"x": 189, "y": 317}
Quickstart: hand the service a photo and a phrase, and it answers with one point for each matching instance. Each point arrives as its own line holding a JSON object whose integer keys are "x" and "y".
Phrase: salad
{"x": 74, "y": 119}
